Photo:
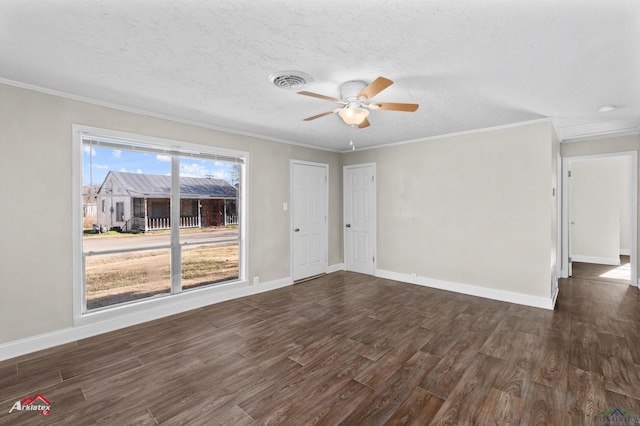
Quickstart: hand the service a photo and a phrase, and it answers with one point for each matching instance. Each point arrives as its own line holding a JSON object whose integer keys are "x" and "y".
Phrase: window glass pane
{"x": 124, "y": 277}
{"x": 208, "y": 217}
{"x": 209, "y": 264}
{"x": 133, "y": 191}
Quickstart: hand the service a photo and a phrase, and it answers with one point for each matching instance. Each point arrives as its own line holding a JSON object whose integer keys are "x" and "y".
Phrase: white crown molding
{"x": 450, "y": 135}
{"x": 623, "y": 132}
{"x": 604, "y": 135}
{"x": 557, "y": 129}
{"x": 155, "y": 115}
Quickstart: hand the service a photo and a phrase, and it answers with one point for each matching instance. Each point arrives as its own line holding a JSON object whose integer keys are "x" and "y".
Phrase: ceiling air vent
{"x": 290, "y": 79}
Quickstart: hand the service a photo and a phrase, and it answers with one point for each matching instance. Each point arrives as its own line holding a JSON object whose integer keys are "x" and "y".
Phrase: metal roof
{"x": 145, "y": 185}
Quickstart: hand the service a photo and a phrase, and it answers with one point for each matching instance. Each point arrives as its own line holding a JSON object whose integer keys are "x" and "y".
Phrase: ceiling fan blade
{"x": 319, "y": 115}
{"x": 326, "y": 98}
{"x": 396, "y": 107}
{"x": 365, "y": 123}
{"x": 378, "y": 85}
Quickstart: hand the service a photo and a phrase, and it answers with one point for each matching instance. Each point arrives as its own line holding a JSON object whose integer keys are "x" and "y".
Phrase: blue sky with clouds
{"x": 97, "y": 162}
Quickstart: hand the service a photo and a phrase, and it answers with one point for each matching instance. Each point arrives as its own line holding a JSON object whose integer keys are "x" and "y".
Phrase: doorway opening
{"x": 599, "y": 217}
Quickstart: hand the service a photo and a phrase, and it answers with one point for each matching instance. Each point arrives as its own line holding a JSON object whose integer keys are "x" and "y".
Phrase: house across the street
{"x": 138, "y": 201}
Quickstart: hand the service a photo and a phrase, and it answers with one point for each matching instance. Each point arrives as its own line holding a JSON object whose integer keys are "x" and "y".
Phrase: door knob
{"x": 296, "y": 230}
{"x": 348, "y": 225}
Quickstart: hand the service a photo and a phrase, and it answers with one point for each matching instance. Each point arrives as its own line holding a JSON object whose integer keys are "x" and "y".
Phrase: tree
{"x": 235, "y": 174}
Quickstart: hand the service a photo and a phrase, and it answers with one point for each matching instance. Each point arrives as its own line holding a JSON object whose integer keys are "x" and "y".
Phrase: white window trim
{"x": 151, "y": 308}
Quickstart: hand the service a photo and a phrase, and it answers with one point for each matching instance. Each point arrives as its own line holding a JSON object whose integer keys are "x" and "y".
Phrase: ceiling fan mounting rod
{"x": 349, "y": 90}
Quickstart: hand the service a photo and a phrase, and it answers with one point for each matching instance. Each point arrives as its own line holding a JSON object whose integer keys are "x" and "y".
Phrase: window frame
{"x": 149, "y": 308}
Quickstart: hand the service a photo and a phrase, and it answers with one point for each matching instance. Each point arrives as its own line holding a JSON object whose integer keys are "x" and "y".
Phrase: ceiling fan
{"x": 356, "y": 102}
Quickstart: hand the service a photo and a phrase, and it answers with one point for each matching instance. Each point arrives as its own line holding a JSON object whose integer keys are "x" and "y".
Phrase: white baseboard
{"x": 614, "y": 261}
{"x": 554, "y": 298}
{"x": 98, "y": 326}
{"x": 472, "y": 290}
{"x": 335, "y": 268}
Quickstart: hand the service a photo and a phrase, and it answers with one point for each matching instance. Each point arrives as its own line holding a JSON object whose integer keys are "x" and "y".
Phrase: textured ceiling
{"x": 469, "y": 64}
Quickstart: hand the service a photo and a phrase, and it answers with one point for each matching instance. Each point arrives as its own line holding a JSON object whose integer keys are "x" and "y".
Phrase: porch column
{"x": 199, "y": 214}
{"x": 146, "y": 216}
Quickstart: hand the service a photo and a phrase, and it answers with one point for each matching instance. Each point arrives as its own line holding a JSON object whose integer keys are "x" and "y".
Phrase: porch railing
{"x": 157, "y": 223}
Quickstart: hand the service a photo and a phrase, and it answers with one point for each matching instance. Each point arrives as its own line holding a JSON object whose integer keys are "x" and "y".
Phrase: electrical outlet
{"x": 256, "y": 280}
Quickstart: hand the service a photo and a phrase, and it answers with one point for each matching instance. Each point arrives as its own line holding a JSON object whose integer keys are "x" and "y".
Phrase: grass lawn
{"x": 144, "y": 274}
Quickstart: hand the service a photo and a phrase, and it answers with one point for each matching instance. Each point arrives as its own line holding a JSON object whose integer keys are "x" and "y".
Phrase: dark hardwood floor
{"x": 607, "y": 273}
{"x": 348, "y": 349}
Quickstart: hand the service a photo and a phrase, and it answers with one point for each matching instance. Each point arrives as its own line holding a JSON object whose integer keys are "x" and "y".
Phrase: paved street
{"x": 151, "y": 240}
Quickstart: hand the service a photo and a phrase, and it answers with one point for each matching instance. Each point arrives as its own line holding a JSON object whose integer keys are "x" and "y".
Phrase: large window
{"x": 171, "y": 219}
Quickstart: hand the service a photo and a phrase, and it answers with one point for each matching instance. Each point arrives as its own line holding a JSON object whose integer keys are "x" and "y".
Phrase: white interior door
{"x": 309, "y": 203}
{"x": 360, "y": 218}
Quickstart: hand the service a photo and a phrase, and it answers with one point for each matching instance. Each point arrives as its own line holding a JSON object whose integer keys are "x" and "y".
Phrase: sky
{"x": 97, "y": 162}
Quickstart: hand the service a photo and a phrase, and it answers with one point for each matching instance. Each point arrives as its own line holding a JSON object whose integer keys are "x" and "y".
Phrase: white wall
{"x": 596, "y": 209}
{"x": 36, "y": 164}
{"x": 473, "y": 209}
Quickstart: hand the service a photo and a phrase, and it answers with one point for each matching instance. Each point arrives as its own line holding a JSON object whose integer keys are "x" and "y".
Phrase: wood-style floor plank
{"x": 501, "y": 408}
{"x": 392, "y": 393}
{"x": 621, "y": 376}
{"x": 552, "y": 363}
{"x": 515, "y": 377}
{"x": 351, "y": 349}
{"x": 585, "y": 344}
{"x": 377, "y": 372}
{"x": 544, "y": 406}
{"x": 466, "y": 401}
{"x": 418, "y": 409}
{"x": 586, "y": 397}
{"x": 444, "y": 377}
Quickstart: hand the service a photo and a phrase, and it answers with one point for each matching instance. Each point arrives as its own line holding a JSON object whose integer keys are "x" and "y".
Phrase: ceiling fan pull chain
{"x": 351, "y": 144}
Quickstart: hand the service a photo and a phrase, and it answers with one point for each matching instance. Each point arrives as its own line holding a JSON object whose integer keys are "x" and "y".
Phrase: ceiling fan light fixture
{"x": 351, "y": 115}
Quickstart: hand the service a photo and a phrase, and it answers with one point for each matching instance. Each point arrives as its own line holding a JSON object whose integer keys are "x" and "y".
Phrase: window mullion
{"x": 176, "y": 251}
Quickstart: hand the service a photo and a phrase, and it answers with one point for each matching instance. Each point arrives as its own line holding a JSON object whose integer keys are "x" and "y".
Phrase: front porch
{"x": 154, "y": 214}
